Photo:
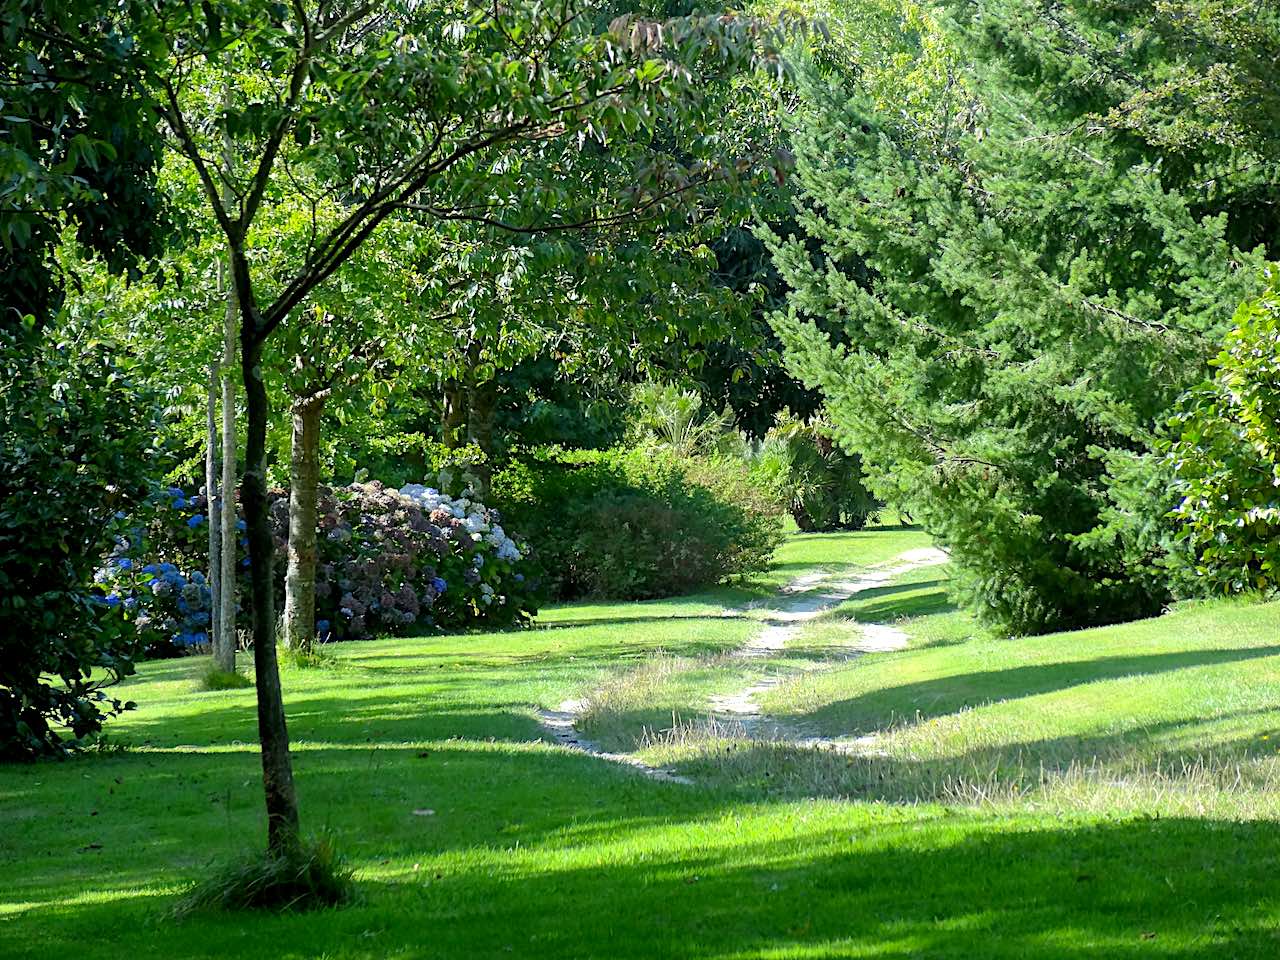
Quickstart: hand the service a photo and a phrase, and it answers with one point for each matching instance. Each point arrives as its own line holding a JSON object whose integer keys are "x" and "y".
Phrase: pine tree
{"x": 1002, "y": 299}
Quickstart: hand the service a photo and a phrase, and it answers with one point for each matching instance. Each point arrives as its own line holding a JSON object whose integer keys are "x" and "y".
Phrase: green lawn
{"x": 530, "y": 850}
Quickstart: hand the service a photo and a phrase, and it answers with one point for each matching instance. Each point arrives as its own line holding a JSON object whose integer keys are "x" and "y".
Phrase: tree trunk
{"x": 304, "y": 479}
{"x": 277, "y": 766}
{"x": 453, "y": 423}
{"x": 211, "y": 505}
{"x": 224, "y": 648}
{"x": 481, "y": 410}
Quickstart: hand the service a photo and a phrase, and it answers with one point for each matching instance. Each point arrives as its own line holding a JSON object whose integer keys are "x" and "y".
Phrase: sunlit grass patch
{"x": 984, "y": 818}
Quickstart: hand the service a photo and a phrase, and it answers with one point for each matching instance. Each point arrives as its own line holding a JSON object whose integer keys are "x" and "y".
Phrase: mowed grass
{"x": 471, "y": 838}
{"x": 1202, "y": 680}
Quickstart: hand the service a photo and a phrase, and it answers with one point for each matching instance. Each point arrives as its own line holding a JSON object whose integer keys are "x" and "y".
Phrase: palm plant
{"x": 821, "y": 485}
{"x": 665, "y": 415}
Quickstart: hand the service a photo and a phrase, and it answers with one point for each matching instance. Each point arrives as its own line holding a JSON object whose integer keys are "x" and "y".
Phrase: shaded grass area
{"x": 471, "y": 839}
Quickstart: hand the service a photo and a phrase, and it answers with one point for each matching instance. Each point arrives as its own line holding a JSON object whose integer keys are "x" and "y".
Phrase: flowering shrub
{"x": 153, "y": 577}
{"x": 388, "y": 560}
{"x": 483, "y": 559}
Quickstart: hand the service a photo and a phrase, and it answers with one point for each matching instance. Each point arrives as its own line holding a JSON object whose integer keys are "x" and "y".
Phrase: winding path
{"x": 815, "y": 594}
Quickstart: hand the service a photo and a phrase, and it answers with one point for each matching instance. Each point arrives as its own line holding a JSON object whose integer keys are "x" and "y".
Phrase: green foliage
{"x": 75, "y": 447}
{"x": 1002, "y": 299}
{"x": 1226, "y": 457}
{"x": 820, "y": 485}
{"x": 311, "y": 876}
{"x": 76, "y": 145}
{"x": 638, "y": 523}
{"x": 1219, "y": 86}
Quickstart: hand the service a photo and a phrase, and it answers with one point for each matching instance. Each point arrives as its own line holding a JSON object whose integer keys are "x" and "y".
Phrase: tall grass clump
{"x": 311, "y": 877}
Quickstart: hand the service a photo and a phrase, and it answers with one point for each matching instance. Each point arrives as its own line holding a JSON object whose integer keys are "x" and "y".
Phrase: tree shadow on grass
{"x": 889, "y": 610}
{"x": 820, "y": 881}
{"x": 932, "y": 698}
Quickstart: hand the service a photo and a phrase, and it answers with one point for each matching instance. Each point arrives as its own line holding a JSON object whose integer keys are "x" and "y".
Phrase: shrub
{"x": 152, "y": 575}
{"x": 387, "y": 560}
{"x": 638, "y": 524}
{"x": 74, "y": 431}
{"x": 391, "y": 558}
{"x": 1226, "y": 457}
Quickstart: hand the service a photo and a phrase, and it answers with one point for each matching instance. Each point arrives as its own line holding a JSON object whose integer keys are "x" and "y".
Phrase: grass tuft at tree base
{"x": 316, "y": 658}
{"x": 312, "y": 877}
{"x": 215, "y": 679}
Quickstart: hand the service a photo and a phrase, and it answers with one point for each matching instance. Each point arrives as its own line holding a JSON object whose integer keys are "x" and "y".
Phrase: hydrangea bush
{"x": 153, "y": 579}
{"x": 388, "y": 560}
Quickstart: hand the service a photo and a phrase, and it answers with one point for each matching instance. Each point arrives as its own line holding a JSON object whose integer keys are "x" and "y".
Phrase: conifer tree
{"x": 1002, "y": 298}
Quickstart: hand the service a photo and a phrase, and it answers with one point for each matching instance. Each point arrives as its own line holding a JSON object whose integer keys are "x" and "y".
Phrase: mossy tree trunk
{"x": 453, "y": 421}
{"x": 480, "y": 416}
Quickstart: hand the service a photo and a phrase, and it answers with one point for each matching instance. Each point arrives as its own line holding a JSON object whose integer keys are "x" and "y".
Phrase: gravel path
{"x": 814, "y": 595}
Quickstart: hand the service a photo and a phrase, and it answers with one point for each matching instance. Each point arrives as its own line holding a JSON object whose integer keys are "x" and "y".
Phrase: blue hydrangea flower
{"x": 195, "y": 520}
{"x": 439, "y": 584}
{"x": 124, "y": 563}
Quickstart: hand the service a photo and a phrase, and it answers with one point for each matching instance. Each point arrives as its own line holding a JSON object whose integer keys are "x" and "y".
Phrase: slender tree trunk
{"x": 211, "y": 504}
{"x": 281, "y": 798}
{"x": 304, "y": 481}
{"x": 224, "y": 648}
{"x": 277, "y": 765}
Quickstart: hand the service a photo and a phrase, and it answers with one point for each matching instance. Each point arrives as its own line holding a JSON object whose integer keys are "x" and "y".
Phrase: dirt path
{"x": 814, "y": 595}
{"x": 560, "y": 724}
{"x": 785, "y": 625}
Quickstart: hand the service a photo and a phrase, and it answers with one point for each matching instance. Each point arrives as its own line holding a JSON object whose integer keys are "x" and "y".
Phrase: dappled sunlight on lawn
{"x": 473, "y": 834}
